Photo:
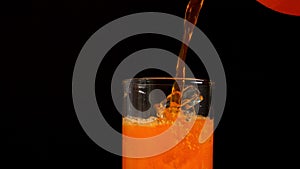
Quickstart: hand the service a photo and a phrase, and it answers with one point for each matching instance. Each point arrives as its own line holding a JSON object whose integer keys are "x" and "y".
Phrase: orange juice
{"x": 189, "y": 153}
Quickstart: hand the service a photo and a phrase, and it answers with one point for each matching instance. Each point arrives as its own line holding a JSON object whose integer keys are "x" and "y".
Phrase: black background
{"x": 42, "y": 39}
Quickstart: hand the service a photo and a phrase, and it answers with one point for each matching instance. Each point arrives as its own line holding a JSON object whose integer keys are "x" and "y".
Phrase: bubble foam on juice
{"x": 139, "y": 120}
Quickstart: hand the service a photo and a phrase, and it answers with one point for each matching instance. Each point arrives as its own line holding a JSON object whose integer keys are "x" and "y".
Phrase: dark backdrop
{"x": 42, "y": 39}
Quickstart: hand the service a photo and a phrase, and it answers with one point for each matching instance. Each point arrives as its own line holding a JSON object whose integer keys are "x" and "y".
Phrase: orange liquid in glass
{"x": 189, "y": 153}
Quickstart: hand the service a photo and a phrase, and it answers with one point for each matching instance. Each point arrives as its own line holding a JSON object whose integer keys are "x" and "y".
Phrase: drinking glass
{"x": 160, "y": 134}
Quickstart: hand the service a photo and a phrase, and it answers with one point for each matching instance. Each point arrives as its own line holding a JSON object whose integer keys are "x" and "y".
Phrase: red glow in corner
{"x": 290, "y": 7}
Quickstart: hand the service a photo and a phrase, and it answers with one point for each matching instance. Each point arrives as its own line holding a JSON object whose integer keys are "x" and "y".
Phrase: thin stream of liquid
{"x": 191, "y": 14}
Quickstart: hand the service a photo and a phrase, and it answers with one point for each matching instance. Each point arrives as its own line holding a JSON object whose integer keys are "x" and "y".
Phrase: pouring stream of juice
{"x": 191, "y": 14}
{"x": 189, "y": 152}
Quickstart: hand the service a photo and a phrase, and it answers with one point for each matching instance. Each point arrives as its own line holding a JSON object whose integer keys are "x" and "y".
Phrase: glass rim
{"x": 150, "y": 80}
